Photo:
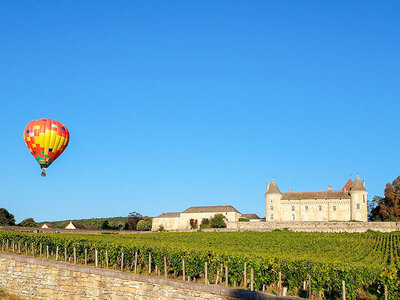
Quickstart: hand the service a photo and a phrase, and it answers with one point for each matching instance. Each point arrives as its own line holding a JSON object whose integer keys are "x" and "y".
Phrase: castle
{"x": 349, "y": 203}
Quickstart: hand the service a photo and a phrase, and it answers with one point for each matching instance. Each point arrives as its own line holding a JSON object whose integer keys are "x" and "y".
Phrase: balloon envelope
{"x": 46, "y": 139}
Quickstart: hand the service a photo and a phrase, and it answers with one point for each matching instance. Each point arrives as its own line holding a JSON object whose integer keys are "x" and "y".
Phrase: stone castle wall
{"x": 315, "y": 226}
{"x": 38, "y": 278}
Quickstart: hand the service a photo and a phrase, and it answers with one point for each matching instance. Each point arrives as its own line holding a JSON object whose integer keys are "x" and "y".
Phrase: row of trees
{"x": 7, "y": 219}
{"x": 386, "y": 208}
{"x": 135, "y": 222}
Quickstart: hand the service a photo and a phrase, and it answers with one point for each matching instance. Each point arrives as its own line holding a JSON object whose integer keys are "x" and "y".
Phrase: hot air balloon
{"x": 46, "y": 139}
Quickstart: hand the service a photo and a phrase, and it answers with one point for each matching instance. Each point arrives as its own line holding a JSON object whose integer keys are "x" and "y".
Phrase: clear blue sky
{"x": 172, "y": 104}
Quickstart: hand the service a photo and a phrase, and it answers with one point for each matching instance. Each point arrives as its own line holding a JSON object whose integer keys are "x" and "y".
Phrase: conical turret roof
{"x": 358, "y": 185}
{"x": 273, "y": 188}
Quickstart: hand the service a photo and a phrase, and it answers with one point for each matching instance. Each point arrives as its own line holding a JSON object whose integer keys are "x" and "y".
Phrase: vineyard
{"x": 366, "y": 262}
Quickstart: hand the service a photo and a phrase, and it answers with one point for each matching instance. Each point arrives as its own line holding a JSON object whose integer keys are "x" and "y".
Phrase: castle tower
{"x": 358, "y": 206}
{"x": 273, "y": 202}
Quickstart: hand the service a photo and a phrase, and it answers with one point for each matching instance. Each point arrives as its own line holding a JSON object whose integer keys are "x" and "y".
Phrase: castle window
{"x": 294, "y": 217}
{"x": 292, "y": 208}
{"x": 320, "y": 208}
{"x": 271, "y": 201}
{"x": 363, "y": 198}
{"x": 334, "y": 208}
{"x": 358, "y": 206}
{"x": 306, "y": 207}
{"x": 271, "y": 207}
{"x": 271, "y": 216}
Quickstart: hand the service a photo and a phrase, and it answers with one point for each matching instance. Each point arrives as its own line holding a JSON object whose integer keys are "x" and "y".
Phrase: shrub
{"x": 161, "y": 228}
{"x": 203, "y": 226}
{"x": 30, "y": 222}
{"x": 193, "y": 223}
{"x": 144, "y": 225}
{"x": 205, "y": 221}
{"x": 244, "y": 220}
{"x": 218, "y": 221}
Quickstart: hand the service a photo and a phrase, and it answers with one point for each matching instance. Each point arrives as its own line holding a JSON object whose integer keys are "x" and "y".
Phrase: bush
{"x": 144, "y": 225}
{"x": 161, "y": 228}
{"x": 29, "y": 222}
{"x": 244, "y": 220}
{"x": 203, "y": 226}
{"x": 205, "y": 221}
{"x": 193, "y": 223}
{"x": 218, "y": 221}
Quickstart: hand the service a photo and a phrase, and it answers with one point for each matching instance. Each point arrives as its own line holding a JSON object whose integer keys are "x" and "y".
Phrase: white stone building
{"x": 349, "y": 203}
{"x": 181, "y": 221}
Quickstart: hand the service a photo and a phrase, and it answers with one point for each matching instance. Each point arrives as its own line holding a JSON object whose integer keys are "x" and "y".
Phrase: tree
{"x": 193, "y": 223}
{"x": 6, "y": 218}
{"x": 133, "y": 218}
{"x": 387, "y": 208}
{"x": 144, "y": 224}
{"x": 29, "y": 222}
{"x": 218, "y": 221}
{"x": 105, "y": 225}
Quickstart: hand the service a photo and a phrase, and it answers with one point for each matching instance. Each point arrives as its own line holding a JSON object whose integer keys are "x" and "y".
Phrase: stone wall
{"x": 39, "y": 278}
{"x": 316, "y": 226}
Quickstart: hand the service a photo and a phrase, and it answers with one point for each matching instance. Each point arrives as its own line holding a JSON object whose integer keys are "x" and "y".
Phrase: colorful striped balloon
{"x": 46, "y": 139}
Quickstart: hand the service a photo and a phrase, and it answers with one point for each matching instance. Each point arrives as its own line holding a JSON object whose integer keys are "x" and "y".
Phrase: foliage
{"x": 144, "y": 224}
{"x": 204, "y": 226}
{"x": 244, "y": 220}
{"x": 161, "y": 228}
{"x": 193, "y": 223}
{"x": 218, "y": 221}
{"x": 387, "y": 208}
{"x": 29, "y": 222}
{"x": 205, "y": 221}
{"x": 105, "y": 225}
{"x": 133, "y": 218}
{"x": 365, "y": 261}
{"x": 6, "y": 218}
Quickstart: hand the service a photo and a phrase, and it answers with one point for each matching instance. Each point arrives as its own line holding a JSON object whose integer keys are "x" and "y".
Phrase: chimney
{"x": 330, "y": 187}
{"x": 364, "y": 182}
{"x": 290, "y": 189}
{"x": 267, "y": 185}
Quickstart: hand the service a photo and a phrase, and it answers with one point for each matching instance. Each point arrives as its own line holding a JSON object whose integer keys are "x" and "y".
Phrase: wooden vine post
{"x": 19, "y": 246}
{"x": 149, "y": 263}
{"x": 85, "y": 256}
{"x": 183, "y": 269}
{"x": 106, "y": 259}
{"x": 65, "y": 254}
{"x": 74, "y": 255}
{"x": 26, "y": 248}
{"x": 47, "y": 251}
{"x": 165, "y": 266}
{"x": 95, "y": 258}
{"x": 206, "y": 273}
{"x": 135, "y": 262}
{"x": 57, "y": 253}
{"x": 279, "y": 283}
{"x": 309, "y": 287}
{"x": 122, "y": 261}
{"x": 252, "y": 279}
{"x": 40, "y": 250}
{"x": 245, "y": 276}
{"x": 343, "y": 290}
{"x": 386, "y": 292}
{"x": 33, "y": 249}
{"x": 226, "y": 276}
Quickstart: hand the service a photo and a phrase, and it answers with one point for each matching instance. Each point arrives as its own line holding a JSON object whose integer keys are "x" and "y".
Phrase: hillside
{"x": 112, "y": 221}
